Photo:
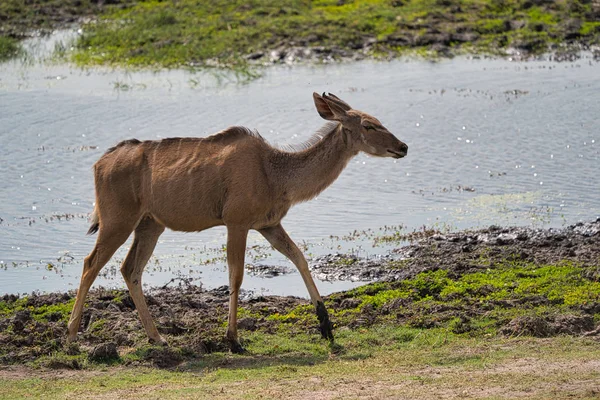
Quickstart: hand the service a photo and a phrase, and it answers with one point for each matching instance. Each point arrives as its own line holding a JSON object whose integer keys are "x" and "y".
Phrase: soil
{"x": 192, "y": 319}
{"x": 42, "y": 17}
{"x": 462, "y": 252}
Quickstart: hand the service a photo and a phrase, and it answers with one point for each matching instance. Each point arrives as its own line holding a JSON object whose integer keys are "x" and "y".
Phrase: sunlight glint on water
{"x": 490, "y": 142}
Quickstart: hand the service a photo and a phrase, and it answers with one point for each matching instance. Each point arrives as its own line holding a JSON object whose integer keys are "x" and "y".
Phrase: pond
{"x": 491, "y": 141}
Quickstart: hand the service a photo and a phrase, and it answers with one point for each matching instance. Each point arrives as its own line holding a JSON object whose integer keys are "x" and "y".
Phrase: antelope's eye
{"x": 369, "y": 127}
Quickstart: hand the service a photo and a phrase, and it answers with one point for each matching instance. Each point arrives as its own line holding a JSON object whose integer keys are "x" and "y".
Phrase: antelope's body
{"x": 233, "y": 178}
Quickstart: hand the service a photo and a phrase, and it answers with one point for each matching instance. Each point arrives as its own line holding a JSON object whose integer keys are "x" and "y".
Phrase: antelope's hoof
{"x": 71, "y": 338}
{"x": 326, "y": 329}
{"x": 325, "y": 325}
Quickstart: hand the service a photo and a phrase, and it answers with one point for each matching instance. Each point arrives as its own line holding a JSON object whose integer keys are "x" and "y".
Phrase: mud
{"x": 33, "y": 329}
{"x": 437, "y": 46}
{"x": 467, "y": 251}
{"x": 546, "y": 327}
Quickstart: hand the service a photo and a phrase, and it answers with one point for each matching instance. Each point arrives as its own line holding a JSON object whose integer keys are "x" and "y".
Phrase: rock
{"x": 169, "y": 326}
{"x": 255, "y": 56}
{"x": 349, "y": 303}
{"x": 515, "y": 25}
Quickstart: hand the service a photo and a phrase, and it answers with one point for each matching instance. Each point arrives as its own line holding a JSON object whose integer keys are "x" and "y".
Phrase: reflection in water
{"x": 492, "y": 142}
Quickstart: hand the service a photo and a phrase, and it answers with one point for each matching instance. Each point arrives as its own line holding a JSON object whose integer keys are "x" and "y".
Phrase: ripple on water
{"x": 492, "y": 142}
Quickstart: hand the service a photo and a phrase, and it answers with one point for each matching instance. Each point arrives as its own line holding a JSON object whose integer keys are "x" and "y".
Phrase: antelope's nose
{"x": 404, "y": 148}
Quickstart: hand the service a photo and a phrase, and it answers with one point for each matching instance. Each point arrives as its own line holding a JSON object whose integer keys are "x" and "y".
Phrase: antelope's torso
{"x": 191, "y": 184}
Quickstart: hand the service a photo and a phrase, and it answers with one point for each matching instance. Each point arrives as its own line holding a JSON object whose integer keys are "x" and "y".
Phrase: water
{"x": 490, "y": 142}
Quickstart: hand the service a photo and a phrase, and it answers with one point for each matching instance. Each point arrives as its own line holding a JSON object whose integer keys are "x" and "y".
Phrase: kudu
{"x": 233, "y": 178}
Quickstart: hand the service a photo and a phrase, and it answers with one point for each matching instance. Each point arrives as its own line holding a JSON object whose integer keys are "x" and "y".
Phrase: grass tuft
{"x": 9, "y": 48}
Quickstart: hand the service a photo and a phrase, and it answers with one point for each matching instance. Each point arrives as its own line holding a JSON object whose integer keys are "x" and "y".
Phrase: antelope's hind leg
{"x": 110, "y": 238}
{"x": 236, "y": 251}
{"x": 144, "y": 241}
{"x": 280, "y": 240}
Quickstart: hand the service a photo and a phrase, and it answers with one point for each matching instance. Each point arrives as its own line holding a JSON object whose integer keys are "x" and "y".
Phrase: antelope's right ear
{"x": 328, "y": 110}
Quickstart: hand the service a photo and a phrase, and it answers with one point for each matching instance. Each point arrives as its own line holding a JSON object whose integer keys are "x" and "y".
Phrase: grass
{"x": 222, "y": 33}
{"x": 44, "y": 312}
{"x": 438, "y": 332}
{"x": 391, "y": 363}
{"x": 9, "y": 48}
{"x": 173, "y": 34}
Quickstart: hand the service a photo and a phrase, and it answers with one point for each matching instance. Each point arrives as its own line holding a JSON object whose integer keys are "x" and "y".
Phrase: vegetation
{"x": 9, "y": 48}
{"x": 476, "y": 315}
{"x": 378, "y": 363}
{"x": 513, "y": 298}
{"x": 226, "y": 32}
{"x": 507, "y": 299}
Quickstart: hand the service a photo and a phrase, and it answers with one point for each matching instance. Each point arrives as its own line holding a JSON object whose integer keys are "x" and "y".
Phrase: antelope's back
{"x": 185, "y": 183}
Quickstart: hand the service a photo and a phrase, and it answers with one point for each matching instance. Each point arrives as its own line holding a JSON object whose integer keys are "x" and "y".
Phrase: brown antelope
{"x": 233, "y": 178}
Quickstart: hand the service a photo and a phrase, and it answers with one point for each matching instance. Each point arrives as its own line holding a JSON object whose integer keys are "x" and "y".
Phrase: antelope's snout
{"x": 400, "y": 151}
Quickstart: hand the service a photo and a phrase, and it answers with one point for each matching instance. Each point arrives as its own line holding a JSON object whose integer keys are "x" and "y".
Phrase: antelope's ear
{"x": 332, "y": 97}
{"x": 327, "y": 109}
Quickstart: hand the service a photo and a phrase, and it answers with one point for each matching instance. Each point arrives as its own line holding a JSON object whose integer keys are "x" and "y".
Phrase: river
{"x": 491, "y": 141}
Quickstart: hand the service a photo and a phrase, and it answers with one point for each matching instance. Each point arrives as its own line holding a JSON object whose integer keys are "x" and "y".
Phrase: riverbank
{"x": 497, "y": 282}
{"x": 238, "y": 33}
{"x": 483, "y": 313}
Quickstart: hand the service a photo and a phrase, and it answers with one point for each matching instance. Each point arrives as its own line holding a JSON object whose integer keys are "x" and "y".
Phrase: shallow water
{"x": 490, "y": 142}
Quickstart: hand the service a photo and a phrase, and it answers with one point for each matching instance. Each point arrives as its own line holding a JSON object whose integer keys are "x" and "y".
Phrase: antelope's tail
{"x": 95, "y": 222}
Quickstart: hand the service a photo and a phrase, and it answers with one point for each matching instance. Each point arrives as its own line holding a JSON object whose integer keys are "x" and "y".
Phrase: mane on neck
{"x": 324, "y": 131}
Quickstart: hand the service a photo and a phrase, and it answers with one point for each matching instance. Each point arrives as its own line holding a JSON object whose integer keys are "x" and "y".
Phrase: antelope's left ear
{"x": 330, "y": 97}
{"x": 328, "y": 109}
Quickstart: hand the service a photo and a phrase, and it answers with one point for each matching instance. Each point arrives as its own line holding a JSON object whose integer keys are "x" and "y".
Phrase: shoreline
{"x": 454, "y": 282}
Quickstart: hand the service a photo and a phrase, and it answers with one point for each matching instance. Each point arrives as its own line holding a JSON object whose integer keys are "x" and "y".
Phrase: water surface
{"x": 490, "y": 142}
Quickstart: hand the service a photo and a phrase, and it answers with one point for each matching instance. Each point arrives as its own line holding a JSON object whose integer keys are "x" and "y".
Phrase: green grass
{"x": 9, "y": 48}
{"x": 221, "y": 33}
{"x": 44, "y": 312}
{"x": 410, "y": 338}
{"x": 482, "y": 301}
{"x": 590, "y": 28}
{"x": 379, "y": 363}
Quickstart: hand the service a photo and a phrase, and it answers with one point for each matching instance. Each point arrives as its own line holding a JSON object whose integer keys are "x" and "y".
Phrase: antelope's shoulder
{"x": 232, "y": 134}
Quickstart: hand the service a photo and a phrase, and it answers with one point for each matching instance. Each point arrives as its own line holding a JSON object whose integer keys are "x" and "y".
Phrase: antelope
{"x": 232, "y": 178}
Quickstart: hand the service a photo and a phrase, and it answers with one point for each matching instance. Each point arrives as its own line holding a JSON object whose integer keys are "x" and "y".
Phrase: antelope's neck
{"x": 307, "y": 173}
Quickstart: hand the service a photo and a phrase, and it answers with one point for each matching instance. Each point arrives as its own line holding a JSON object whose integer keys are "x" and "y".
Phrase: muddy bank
{"x": 467, "y": 251}
{"x": 25, "y": 19}
{"x": 455, "y": 281}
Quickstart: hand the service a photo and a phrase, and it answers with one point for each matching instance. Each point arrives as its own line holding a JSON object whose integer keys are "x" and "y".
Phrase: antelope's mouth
{"x": 397, "y": 154}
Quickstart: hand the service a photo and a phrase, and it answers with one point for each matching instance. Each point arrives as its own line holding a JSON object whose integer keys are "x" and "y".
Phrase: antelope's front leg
{"x": 236, "y": 250}
{"x": 280, "y": 240}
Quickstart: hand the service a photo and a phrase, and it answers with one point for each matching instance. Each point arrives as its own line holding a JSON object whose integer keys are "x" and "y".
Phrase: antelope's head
{"x": 364, "y": 131}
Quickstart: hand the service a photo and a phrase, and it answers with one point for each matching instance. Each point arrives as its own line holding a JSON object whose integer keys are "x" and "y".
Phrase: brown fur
{"x": 233, "y": 178}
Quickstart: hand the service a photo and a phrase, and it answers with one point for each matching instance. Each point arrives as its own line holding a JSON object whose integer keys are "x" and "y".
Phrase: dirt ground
{"x": 193, "y": 319}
